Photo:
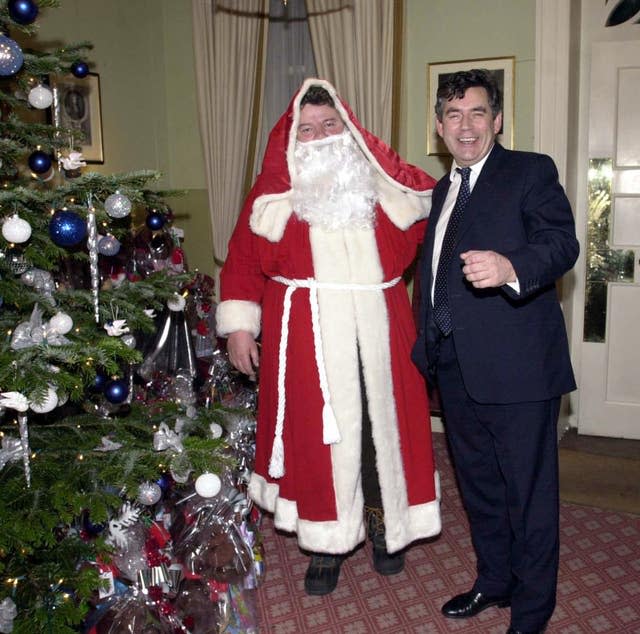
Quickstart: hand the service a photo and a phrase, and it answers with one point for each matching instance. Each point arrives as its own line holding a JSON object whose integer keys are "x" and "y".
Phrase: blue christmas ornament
{"x": 99, "y": 382}
{"x": 22, "y": 11}
{"x": 11, "y": 57}
{"x": 155, "y": 221}
{"x": 67, "y": 228}
{"x": 80, "y": 69}
{"x": 116, "y": 391}
{"x": 39, "y": 162}
{"x": 89, "y": 526}
{"x": 165, "y": 482}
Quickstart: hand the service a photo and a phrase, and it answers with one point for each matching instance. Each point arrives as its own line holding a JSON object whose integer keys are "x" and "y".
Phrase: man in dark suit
{"x": 492, "y": 336}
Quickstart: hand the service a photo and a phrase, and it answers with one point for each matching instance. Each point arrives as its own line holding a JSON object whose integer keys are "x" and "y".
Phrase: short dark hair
{"x": 455, "y": 86}
{"x": 317, "y": 96}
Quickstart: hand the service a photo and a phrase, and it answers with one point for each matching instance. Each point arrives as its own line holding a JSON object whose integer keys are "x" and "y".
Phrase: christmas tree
{"x": 107, "y": 423}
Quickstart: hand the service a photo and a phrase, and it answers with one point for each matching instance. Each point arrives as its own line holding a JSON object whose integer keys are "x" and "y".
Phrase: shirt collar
{"x": 476, "y": 168}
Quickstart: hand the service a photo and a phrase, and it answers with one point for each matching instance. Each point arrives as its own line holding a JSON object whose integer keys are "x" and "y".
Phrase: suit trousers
{"x": 506, "y": 462}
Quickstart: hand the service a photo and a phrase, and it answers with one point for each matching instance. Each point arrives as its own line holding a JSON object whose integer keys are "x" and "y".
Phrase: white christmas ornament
{"x": 117, "y": 205}
{"x": 61, "y": 323}
{"x": 116, "y": 328}
{"x": 15, "y": 229}
{"x": 208, "y": 485}
{"x": 73, "y": 161}
{"x": 40, "y": 97}
{"x": 49, "y": 403}
{"x": 216, "y": 430}
{"x": 176, "y": 303}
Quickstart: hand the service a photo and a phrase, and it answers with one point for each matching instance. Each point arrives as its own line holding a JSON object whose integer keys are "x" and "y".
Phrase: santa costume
{"x": 330, "y": 306}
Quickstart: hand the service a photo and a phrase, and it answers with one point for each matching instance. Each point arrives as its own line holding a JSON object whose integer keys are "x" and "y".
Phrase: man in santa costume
{"x": 314, "y": 270}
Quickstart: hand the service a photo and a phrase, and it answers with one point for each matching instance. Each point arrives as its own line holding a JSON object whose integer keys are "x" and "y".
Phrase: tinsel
{"x": 24, "y": 440}
{"x": 92, "y": 246}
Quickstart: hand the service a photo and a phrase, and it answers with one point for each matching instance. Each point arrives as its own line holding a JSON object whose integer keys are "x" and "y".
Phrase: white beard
{"x": 333, "y": 184}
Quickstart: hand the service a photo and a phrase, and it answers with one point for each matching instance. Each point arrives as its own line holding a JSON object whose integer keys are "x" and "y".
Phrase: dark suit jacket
{"x": 511, "y": 348}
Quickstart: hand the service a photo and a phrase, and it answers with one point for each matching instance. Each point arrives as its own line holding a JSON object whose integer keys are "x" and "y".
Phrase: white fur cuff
{"x": 237, "y": 314}
{"x": 404, "y": 208}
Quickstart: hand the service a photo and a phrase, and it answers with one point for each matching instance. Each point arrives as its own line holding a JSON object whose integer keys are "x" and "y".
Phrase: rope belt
{"x": 330, "y": 431}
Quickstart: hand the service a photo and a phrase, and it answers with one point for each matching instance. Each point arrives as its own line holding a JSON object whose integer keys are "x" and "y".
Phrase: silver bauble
{"x": 117, "y": 205}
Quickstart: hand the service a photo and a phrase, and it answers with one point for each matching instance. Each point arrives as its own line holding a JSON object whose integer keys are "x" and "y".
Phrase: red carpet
{"x": 598, "y": 590}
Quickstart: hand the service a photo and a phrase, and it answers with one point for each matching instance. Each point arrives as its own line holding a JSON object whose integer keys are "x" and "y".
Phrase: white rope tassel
{"x": 276, "y": 464}
{"x": 330, "y": 431}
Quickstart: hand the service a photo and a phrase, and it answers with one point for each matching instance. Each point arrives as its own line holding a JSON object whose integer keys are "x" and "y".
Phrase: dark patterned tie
{"x": 441, "y": 312}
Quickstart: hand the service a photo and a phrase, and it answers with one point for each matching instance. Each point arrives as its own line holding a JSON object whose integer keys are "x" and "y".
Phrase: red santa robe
{"x": 319, "y": 495}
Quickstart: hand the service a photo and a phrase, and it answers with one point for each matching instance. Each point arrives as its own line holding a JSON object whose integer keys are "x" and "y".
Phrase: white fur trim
{"x": 342, "y": 536}
{"x": 270, "y": 214}
{"x": 403, "y": 208}
{"x": 238, "y": 314}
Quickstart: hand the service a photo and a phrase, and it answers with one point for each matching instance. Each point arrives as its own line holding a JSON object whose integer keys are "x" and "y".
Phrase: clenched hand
{"x": 487, "y": 269}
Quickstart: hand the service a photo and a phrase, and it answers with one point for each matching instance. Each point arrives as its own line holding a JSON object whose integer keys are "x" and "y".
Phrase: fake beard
{"x": 333, "y": 184}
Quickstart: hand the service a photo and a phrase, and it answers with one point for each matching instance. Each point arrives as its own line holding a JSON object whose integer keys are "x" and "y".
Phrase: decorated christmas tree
{"x": 122, "y": 476}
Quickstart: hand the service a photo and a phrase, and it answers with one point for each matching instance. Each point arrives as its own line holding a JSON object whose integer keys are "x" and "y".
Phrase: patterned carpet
{"x": 598, "y": 591}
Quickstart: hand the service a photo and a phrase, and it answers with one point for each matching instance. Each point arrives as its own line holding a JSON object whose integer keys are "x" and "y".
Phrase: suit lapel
{"x": 482, "y": 191}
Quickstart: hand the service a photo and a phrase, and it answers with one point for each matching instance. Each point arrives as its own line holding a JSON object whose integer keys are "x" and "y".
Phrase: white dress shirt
{"x": 445, "y": 214}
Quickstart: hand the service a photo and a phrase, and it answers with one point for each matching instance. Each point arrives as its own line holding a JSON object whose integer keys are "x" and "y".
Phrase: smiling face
{"x": 318, "y": 122}
{"x": 468, "y": 127}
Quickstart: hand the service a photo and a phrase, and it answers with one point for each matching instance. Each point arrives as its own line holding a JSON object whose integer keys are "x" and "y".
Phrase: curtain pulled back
{"x": 229, "y": 38}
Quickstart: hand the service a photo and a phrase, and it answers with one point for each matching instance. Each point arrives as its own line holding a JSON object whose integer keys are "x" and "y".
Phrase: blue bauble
{"x": 155, "y": 221}
{"x": 67, "y": 228}
{"x": 80, "y": 69}
{"x": 89, "y": 526}
{"x": 165, "y": 482}
{"x": 22, "y": 11}
{"x": 99, "y": 382}
{"x": 11, "y": 57}
{"x": 116, "y": 391}
{"x": 39, "y": 162}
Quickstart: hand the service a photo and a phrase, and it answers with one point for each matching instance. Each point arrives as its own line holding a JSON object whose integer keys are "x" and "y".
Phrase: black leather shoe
{"x": 322, "y": 574}
{"x": 464, "y": 606}
{"x": 512, "y": 631}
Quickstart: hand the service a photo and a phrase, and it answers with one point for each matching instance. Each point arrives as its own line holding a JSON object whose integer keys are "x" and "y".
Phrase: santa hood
{"x": 404, "y": 190}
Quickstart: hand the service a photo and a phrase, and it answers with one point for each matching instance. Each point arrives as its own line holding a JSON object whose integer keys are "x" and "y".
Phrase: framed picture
{"x": 503, "y": 68}
{"x": 76, "y": 107}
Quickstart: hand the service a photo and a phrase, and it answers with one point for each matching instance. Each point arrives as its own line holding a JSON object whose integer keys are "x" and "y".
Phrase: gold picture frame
{"x": 77, "y": 108}
{"x": 504, "y": 70}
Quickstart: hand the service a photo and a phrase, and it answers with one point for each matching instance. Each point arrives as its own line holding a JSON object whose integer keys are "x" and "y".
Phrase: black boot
{"x": 322, "y": 574}
{"x": 383, "y": 562}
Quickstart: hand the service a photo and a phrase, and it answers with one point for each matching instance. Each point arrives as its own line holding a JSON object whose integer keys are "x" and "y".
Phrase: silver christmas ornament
{"x": 117, "y": 205}
{"x": 48, "y": 404}
{"x": 108, "y": 245}
{"x": 149, "y": 493}
{"x": 129, "y": 341}
{"x": 61, "y": 323}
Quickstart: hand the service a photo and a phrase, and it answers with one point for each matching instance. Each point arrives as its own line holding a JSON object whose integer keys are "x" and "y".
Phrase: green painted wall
{"x": 450, "y": 30}
{"x": 143, "y": 53}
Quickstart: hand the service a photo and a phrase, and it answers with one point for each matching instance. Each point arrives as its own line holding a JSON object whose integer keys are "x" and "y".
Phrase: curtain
{"x": 353, "y": 45}
{"x": 289, "y": 62}
{"x": 229, "y": 38}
